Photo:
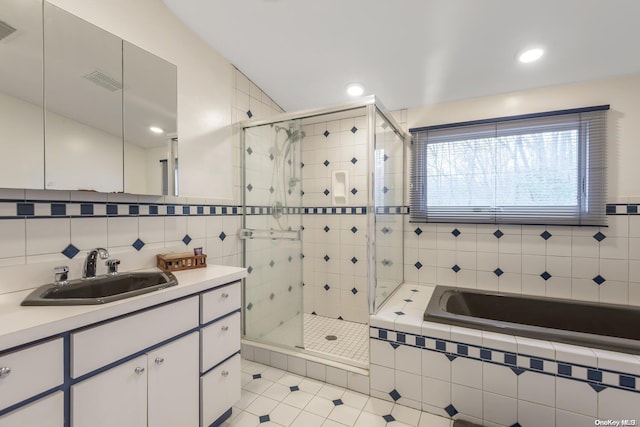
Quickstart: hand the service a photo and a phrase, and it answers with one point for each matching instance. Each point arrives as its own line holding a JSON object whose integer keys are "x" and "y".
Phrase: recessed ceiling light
{"x": 531, "y": 55}
{"x": 156, "y": 129}
{"x": 355, "y": 89}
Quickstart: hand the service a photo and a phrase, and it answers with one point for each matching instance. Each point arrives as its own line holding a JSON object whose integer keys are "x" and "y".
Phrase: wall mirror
{"x": 21, "y": 94}
{"x": 150, "y": 122}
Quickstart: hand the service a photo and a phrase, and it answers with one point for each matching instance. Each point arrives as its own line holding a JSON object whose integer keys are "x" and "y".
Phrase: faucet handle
{"x": 61, "y": 275}
{"x": 112, "y": 265}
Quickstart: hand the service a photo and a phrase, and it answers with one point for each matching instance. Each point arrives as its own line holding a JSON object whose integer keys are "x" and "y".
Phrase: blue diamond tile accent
{"x": 58, "y": 209}
{"x": 249, "y": 306}
{"x": 354, "y": 291}
{"x": 498, "y": 272}
{"x": 510, "y": 359}
{"x": 382, "y": 334}
{"x": 249, "y": 150}
{"x": 338, "y": 402}
{"x": 326, "y": 287}
{"x": 441, "y": 345}
{"x": 354, "y": 129}
{"x": 249, "y": 269}
{"x": 264, "y": 419}
{"x": 611, "y": 209}
{"x": 451, "y": 357}
{"x": 408, "y": 300}
{"x": 294, "y": 388}
{"x": 388, "y": 418}
{"x": 418, "y": 231}
{"x": 485, "y": 354}
{"x": 599, "y": 236}
{"x": 455, "y": 232}
{"x": 186, "y": 239}
{"x": 271, "y": 190}
{"x": 594, "y": 375}
{"x": 599, "y": 279}
{"x": 399, "y": 313}
{"x": 327, "y": 258}
{"x": 394, "y": 345}
{"x": 385, "y": 230}
{"x": 394, "y": 394}
{"x": 290, "y": 288}
{"x": 272, "y": 296}
{"x": 418, "y": 265}
{"x": 517, "y": 371}
{"x": 326, "y": 229}
{"x": 354, "y": 260}
{"x": 546, "y": 235}
{"x": 256, "y": 376}
{"x": 272, "y": 263}
{"x": 113, "y": 209}
{"x": 564, "y": 369}
{"x": 326, "y": 163}
{"x": 354, "y": 160}
{"x": 456, "y": 268}
{"x": 386, "y": 157}
{"x": 249, "y": 114}
{"x": 463, "y": 350}
{"x": 498, "y": 233}
{"x": 26, "y": 209}
{"x": 545, "y": 275}
{"x": 626, "y": 381}
{"x": 598, "y": 388}
{"x": 385, "y": 190}
{"x": 420, "y": 342}
{"x": 290, "y": 258}
{"x": 70, "y": 251}
{"x": 354, "y": 191}
{"x": 87, "y": 209}
{"x": 222, "y": 236}
{"x": 516, "y": 425}
{"x": 314, "y": 313}
{"x": 138, "y": 244}
{"x": 451, "y": 410}
{"x": 249, "y": 187}
{"x": 401, "y": 338}
{"x": 326, "y": 192}
{"x": 326, "y": 133}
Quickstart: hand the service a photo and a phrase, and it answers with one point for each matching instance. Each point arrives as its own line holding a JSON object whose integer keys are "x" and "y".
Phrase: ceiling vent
{"x": 6, "y": 30}
{"x": 104, "y": 81}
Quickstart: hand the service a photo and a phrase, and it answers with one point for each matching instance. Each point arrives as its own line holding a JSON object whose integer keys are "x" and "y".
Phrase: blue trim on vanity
{"x": 222, "y": 418}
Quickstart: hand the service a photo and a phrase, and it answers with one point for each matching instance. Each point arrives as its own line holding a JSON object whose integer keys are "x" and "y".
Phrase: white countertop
{"x": 20, "y": 325}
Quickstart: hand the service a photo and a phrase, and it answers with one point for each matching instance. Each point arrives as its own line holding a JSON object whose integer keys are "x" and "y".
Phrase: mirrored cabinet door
{"x": 83, "y": 110}
{"x": 21, "y": 94}
{"x": 150, "y": 122}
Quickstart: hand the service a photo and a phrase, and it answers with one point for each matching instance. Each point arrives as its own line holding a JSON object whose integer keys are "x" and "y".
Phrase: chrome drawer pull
{"x": 159, "y": 360}
{"x": 139, "y": 370}
{"x": 224, "y": 373}
{"x": 4, "y": 372}
{"x": 225, "y": 328}
{"x": 225, "y": 295}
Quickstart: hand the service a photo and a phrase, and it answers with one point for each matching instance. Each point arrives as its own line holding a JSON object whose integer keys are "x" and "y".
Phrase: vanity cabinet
{"x": 158, "y": 389}
{"x": 45, "y": 412}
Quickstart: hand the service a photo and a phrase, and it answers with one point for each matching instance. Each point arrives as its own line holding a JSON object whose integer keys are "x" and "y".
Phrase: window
{"x": 546, "y": 168}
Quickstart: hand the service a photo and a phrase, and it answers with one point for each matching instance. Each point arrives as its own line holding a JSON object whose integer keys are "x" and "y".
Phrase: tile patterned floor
{"x": 352, "y": 341}
{"x": 271, "y": 397}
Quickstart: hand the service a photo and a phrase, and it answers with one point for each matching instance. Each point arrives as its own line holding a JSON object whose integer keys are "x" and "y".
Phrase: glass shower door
{"x": 272, "y": 233}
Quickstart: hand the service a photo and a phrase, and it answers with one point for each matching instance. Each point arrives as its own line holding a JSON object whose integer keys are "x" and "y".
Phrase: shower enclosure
{"x": 323, "y": 226}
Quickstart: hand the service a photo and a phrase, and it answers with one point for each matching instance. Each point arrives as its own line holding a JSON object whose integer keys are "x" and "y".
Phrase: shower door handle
{"x": 245, "y": 233}
{"x": 251, "y": 233}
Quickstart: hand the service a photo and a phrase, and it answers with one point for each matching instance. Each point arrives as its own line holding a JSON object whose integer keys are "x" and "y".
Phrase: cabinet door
{"x": 117, "y": 397}
{"x": 173, "y": 384}
{"x": 46, "y": 412}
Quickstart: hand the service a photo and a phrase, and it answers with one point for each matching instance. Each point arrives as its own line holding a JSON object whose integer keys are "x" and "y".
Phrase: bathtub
{"x": 606, "y": 326}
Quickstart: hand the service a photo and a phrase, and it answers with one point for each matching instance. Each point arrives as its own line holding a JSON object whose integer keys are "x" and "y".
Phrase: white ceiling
{"x": 415, "y": 52}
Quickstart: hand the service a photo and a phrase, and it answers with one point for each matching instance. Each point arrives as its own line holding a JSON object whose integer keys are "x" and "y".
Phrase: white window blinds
{"x": 547, "y": 168}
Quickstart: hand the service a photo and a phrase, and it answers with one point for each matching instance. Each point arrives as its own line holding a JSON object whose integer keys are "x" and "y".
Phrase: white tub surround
{"x": 494, "y": 379}
{"x": 164, "y": 358}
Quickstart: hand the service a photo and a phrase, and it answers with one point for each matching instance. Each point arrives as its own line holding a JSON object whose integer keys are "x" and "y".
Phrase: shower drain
{"x": 331, "y": 337}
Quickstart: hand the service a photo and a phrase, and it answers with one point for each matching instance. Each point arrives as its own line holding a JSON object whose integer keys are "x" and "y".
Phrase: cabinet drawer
{"x": 219, "y": 340}
{"x": 95, "y": 347}
{"x": 219, "y": 390}
{"x": 45, "y": 412}
{"x": 32, "y": 370}
{"x": 219, "y": 302}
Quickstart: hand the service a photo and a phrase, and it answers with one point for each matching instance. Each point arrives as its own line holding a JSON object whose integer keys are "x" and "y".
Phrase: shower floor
{"x": 351, "y": 345}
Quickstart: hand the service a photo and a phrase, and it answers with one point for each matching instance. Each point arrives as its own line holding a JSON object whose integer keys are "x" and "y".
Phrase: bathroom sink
{"x": 100, "y": 290}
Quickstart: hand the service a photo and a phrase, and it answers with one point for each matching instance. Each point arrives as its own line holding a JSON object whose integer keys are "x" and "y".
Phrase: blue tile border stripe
{"x": 601, "y": 378}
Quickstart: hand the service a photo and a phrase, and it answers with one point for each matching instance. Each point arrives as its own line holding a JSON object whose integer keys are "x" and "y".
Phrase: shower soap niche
{"x": 339, "y": 187}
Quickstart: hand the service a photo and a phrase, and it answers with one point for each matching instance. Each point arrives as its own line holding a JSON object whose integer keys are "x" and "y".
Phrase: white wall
{"x": 204, "y": 86}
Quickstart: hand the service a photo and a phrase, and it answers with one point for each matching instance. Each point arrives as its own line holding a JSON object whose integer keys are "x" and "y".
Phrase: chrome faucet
{"x": 89, "y": 269}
